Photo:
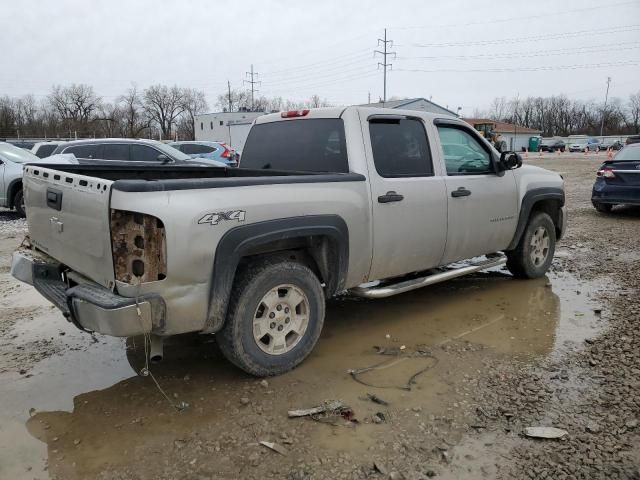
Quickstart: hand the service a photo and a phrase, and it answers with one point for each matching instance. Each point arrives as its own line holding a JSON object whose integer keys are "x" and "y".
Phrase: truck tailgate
{"x": 68, "y": 217}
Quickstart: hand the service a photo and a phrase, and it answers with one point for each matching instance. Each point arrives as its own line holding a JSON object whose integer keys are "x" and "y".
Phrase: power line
{"x": 532, "y": 53}
{"x": 518, "y": 18}
{"x": 252, "y": 82}
{"x": 346, "y": 58}
{"x": 524, "y": 69}
{"x": 384, "y": 64}
{"x": 577, "y": 33}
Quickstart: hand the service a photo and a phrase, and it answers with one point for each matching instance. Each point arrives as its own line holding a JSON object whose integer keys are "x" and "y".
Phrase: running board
{"x": 389, "y": 290}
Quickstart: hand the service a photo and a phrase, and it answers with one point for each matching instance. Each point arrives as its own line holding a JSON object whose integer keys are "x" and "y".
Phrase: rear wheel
{"x": 602, "y": 207}
{"x": 533, "y": 255}
{"x": 275, "y": 317}
{"x": 18, "y": 203}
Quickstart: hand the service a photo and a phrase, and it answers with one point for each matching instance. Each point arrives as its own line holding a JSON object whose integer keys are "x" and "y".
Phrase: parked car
{"x": 618, "y": 180}
{"x": 25, "y": 144}
{"x": 12, "y": 162}
{"x": 613, "y": 144}
{"x": 45, "y": 149}
{"x": 125, "y": 151}
{"x": 361, "y": 200}
{"x": 590, "y": 144}
{"x": 632, "y": 139}
{"x": 208, "y": 150}
{"x": 552, "y": 145}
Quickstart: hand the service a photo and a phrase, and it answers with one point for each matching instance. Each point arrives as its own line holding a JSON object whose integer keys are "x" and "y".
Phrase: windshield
{"x": 628, "y": 153}
{"x": 16, "y": 154}
{"x": 172, "y": 152}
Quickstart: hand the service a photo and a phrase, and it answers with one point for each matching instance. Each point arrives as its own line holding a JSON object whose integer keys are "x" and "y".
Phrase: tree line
{"x": 561, "y": 116}
{"x": 159, "y": 111}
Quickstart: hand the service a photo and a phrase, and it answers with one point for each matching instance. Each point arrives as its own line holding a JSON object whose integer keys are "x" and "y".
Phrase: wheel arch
{"x": 14, "y": 186}
{"x": 319, "y": 241}
{"x": 549, "y": 200}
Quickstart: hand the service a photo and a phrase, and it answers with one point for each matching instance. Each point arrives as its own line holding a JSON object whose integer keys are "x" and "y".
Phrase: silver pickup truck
{"x": 369, "y": 202}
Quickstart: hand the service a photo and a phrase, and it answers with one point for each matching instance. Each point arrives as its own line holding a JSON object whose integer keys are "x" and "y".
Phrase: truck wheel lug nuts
{"x": 279, "y": 328}
{"x": 279, "y": 307}
{"x": 286, "y": 310}
{"x": 287, "y": 320}
{"x": 273, "y": 325}
{"x": 272, "y": 315}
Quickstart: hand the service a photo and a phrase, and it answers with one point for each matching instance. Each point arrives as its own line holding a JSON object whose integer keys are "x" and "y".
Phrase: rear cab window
{"x": 309, "y": 145}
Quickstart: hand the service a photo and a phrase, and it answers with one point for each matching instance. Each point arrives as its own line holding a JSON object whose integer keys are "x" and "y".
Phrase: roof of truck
{"x": 336, "y": 112}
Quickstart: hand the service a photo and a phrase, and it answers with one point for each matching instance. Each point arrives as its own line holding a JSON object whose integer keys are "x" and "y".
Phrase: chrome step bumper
{"x": 390, "y": 289}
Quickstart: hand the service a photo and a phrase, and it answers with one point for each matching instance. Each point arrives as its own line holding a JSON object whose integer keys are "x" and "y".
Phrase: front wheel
{"x": 274, "y": 319}
{"x": 18, "y": 203}
{"x": 533, "y": 255}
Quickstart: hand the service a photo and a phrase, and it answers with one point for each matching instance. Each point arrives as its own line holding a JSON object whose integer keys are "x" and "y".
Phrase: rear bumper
{"x": 615, "y": 194}
{"x": 89, "y": 306}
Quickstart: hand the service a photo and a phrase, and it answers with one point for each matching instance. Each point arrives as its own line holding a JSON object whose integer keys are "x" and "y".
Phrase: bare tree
{"x": 136, "y": 121}
{"x": 193, "y": 103}
{"x": 75, "y": 105}
{"x": 164, "y": 105}
{"x": 633, "y": 112}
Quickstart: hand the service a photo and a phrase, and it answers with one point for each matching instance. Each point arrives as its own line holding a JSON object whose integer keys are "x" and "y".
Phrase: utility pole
{"x": 384, "y": 64}
{"x": 229, "y": 87}
{"x": 604, "y": 110}
{"x": 252, "y": 74}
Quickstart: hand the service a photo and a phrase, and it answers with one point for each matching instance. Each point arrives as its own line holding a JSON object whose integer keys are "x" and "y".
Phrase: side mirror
{"x": 162, "y": 158}
{"x": 510, "y": 160}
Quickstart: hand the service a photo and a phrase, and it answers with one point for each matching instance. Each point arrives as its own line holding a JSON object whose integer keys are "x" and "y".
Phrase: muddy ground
{"x": 489, "y": 356}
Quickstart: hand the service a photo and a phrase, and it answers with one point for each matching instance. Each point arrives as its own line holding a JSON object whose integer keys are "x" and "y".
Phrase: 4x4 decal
{"x": 215, "y": 218}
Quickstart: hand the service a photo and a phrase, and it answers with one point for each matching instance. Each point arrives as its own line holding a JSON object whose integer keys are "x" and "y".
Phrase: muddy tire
{"x": 602, "y": 207}
{"x": 18, "y": 203}
{"x": 533, "y": 255}
{"x": 275, "y": 317}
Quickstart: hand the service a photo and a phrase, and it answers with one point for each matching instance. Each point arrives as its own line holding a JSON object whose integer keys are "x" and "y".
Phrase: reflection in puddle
{"x": 81, "y": 432}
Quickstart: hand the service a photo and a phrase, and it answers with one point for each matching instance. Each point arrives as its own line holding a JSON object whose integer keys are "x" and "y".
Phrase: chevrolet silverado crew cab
{"x": 362, "y": 201}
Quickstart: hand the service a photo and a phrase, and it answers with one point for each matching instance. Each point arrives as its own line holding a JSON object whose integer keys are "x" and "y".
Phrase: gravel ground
{"x": 499, "y": 355}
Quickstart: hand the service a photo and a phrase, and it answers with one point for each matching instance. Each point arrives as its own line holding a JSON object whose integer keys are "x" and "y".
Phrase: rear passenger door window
{"x": 116, "y": 151}
{"x": 85, "y": 151}
{"x": 463, "y": 153}
{"x": 143, "y": 153}
{"x": 400, "y": 148}
{"x": 194, "y": 149}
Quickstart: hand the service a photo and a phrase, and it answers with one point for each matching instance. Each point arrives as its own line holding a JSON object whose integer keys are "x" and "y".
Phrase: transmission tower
{"x": 386, "y": 44}
{"x": 252, "y": 82}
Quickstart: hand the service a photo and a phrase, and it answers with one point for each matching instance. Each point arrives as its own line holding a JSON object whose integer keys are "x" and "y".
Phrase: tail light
{"x": 295, "y": 113}
{"x": 606, "y": 172}
{"x": 226, "y": 153}
{"x": 139, "y": 247}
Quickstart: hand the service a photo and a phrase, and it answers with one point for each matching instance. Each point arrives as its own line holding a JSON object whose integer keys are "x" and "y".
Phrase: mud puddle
{"x": 84, "y": 408}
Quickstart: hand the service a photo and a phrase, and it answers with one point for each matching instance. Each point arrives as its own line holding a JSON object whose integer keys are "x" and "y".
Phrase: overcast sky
{"x": 460, "y": 53}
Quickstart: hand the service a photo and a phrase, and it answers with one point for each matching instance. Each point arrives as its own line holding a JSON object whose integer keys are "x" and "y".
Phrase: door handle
{"x": 390, "y": 197}
{"x": 461, "y": 192}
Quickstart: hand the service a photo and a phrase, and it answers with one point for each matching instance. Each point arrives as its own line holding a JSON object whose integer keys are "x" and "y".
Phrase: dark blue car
{"x": 618, "y": 180}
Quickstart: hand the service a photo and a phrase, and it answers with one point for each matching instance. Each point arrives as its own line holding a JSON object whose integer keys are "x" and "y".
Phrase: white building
{"x": 231, "y": 128}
